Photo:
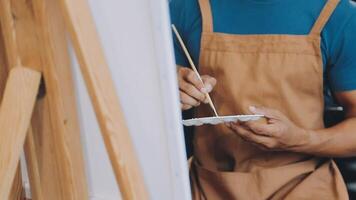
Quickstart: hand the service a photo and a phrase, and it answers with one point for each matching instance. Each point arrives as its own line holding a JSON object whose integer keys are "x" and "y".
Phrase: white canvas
{"x": 137, "y": 41}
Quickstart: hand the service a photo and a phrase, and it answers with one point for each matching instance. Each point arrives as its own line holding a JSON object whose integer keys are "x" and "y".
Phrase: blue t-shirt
{"x": 277, "y": 17}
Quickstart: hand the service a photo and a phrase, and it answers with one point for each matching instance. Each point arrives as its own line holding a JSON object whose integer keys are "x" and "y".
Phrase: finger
{"x": 228, "y": 125}
{"x": 192, "y": 78}
{"x": 209, "y": 83}
{"x": 191, "y": 90}
{"x": 267, "y": 112}
{"x": 269, "y": 130}
{"x": 188, "y": 100}
{"x": 251, "y": 136}
{"x": 185, "y": 106}
{"x": 242, "y": 131}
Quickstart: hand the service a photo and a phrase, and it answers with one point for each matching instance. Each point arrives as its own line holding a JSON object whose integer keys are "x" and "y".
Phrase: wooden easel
{"x": 38, "y": 112}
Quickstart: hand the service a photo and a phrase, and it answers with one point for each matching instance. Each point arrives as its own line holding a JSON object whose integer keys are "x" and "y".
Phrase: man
{"x": 278, "y": 58}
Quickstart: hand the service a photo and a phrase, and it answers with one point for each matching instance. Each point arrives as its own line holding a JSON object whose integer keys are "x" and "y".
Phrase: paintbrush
{"x": 193, "y": 66}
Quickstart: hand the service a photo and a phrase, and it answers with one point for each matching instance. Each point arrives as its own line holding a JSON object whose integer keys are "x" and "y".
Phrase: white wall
{"x": 137, "y": 41}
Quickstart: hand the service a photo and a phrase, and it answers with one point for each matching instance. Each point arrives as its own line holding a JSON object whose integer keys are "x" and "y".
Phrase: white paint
{"x": 221, "y": 120}
{"x": 136, "y": 38}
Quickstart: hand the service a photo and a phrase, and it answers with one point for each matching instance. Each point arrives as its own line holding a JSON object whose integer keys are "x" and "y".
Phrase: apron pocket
{"x": 259, "y": 185}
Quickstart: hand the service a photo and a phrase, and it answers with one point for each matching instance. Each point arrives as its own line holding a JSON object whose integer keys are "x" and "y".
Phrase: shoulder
{"x": 344, "y": 14}
{"x": 340, "y": 28}
{"x": 346, "y": 7}
{"x": 340, "y": 37}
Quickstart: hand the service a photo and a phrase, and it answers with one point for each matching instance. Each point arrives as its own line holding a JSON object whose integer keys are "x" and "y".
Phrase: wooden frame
{"x": 17, "y": 189}
{"x": 103, "y": 95}
{"x": 34, "y": 36}
{"x": 15, "y": 116}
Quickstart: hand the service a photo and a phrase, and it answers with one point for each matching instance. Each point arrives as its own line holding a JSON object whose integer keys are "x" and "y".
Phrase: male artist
{"x": 278, "y": 58}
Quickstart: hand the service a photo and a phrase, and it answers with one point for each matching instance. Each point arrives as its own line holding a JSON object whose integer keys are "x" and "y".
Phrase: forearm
{"x": 336, "y": 141}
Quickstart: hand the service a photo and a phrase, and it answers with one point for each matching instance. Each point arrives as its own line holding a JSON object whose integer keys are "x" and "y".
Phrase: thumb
{"x": 267, "y": 112}
{"x": 209, "y": 83}
{"x": 256, "y": 111}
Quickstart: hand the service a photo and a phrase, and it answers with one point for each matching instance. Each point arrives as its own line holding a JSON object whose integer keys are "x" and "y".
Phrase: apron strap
{"x": 207, "y": 17}
{"x": 325, "y": 15}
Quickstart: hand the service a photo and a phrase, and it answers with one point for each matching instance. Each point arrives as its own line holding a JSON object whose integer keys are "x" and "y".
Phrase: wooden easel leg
{"x": 102, "y": 91}
{"x": 32, "y": 166}
{"x": 58, "y": 165}
{"x": 17, "y": 191}
{"x": 15, "y": 117}
{"x": 61, "y": 102}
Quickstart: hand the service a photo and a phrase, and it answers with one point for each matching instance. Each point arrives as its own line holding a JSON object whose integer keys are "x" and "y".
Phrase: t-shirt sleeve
{"x": 342, "y": 72}
{"x": 178, "y": 17}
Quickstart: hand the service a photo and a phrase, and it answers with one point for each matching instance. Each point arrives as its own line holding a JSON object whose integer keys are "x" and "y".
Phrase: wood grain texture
{"x": 16, "y": 50}
{"x": 9, "y": 34}
{"x": 15, "y": 117}
{"x": 12, "y": 58}
{"x": 54, "y": 154}
{"x": 62, "y": 102}
{"x": 17, "y": 191}
{"x": 7, "y": 58}
{"x": 32, "y": 166}
{"x": 102, "y": 92}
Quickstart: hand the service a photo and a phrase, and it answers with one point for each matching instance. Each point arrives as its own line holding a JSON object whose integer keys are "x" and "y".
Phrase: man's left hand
{"x": 278, "y": 134}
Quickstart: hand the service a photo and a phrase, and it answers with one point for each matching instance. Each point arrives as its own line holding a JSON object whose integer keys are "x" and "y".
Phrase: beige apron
{"x": 282, "y": 72}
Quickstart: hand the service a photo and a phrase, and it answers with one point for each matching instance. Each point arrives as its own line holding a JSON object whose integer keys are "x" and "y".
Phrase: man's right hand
{"x": 192, "y": 90}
